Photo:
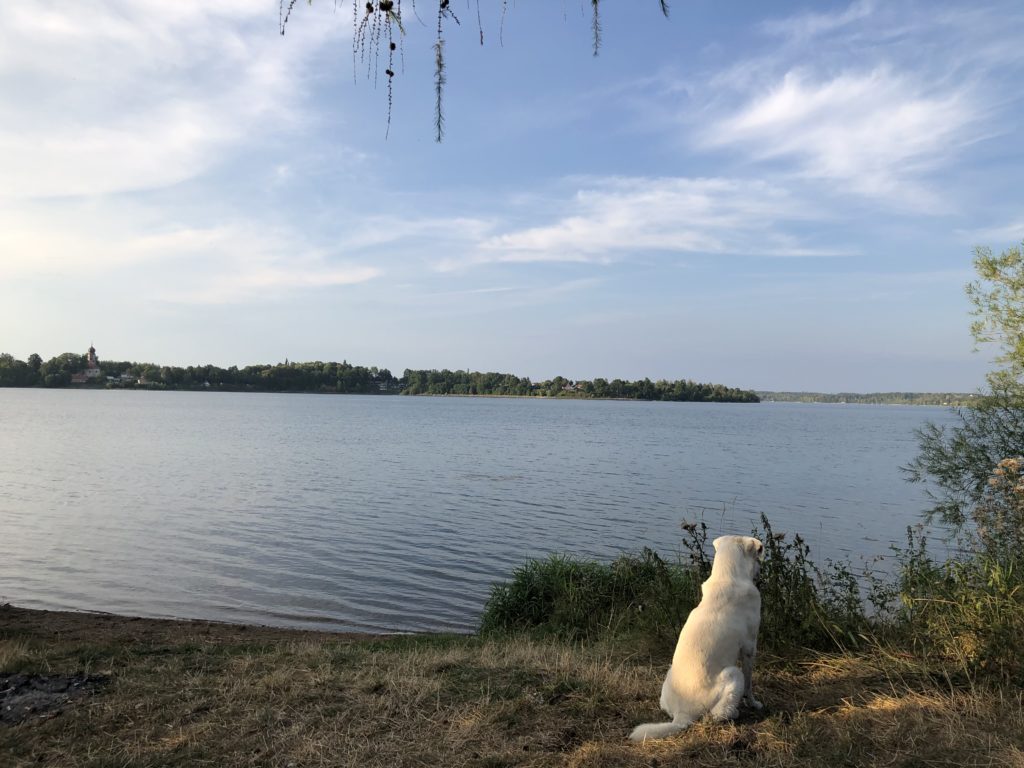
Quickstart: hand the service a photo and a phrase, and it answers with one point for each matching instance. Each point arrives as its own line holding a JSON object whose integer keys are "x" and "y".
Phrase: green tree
{"x": 957, "y": 462}
{"x": 15, "y": 373}
{"x": 998, "y": 299}
{"x": 56, "y": 372}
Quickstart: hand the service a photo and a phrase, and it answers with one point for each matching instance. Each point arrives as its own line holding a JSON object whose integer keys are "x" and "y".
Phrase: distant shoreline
{"x": 940, "y": 399}
{"x": 933, "y": 399}
{"x": 71, "y": 370}
{"x": 327, "y": 393}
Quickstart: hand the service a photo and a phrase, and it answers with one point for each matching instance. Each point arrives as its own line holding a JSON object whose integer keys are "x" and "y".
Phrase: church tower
{"x": 92, "y": 363}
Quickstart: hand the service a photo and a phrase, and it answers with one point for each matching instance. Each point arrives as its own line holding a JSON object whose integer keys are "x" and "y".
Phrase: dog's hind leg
{"x": 727, "y": 694}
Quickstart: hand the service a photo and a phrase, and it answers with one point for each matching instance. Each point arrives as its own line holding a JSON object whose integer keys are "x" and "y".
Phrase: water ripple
{"x": 397, "y": 514}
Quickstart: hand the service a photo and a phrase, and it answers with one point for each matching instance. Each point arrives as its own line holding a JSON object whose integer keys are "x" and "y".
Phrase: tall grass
{"x": 649, "y": 598}
{"x": 578, "y": 599}
{"x": 964, "y": 612}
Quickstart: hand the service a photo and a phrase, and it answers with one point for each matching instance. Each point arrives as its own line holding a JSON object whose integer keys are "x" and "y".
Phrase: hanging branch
{"x": 439, "y": 77}
{"x": 390, "y": 72}
{"x": 284, "y": 11}
{"x": 443, "y": 11}
{"x": 376, "y": 26}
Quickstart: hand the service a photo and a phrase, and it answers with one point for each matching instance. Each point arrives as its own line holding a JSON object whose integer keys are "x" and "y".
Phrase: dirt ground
{"x": 80, "y": 627}
{"x": 24, "y": 696}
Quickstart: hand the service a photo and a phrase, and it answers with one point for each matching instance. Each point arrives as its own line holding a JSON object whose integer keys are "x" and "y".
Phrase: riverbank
{"x": 177, "y": 693}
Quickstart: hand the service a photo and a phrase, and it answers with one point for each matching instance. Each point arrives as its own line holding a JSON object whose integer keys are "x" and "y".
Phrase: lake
{"x": 397, "y": 513}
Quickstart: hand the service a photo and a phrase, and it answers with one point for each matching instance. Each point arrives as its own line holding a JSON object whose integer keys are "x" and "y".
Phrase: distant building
{"x": 92, "y": 363}
{"x": 92, "y": 368}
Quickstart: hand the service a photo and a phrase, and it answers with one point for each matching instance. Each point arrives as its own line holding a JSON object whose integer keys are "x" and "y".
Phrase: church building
{"x": 92, "y": 368}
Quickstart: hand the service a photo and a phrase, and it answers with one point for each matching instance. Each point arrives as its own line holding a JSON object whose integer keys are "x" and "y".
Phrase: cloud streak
{"x": 616, "y": 218}
{"x": 873, "y": 131}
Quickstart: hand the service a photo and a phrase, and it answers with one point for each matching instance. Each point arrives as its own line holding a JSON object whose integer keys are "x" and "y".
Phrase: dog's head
{"x": 739, "y": 556}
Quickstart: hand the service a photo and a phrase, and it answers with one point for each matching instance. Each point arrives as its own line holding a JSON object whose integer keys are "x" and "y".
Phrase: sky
{"x": 775, "y": 196}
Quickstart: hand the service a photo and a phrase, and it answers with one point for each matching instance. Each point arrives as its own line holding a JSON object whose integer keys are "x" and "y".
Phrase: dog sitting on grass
{"x": 704, "y": 677}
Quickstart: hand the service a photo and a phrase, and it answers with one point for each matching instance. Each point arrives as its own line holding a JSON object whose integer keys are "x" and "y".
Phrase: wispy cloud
{"x": 616, "y": 217}
{"x": 232, "y": 262}
{"x": 874, "y": 100}
{"x": 269, "y": 281}
{"x": 398, "y": 232}
{"x": 103, "y": 96}
{"x": 874, "y": 131}
{"x": 245, "y": 262}
{"x": 803, "y": 26}
{"x": 1013, "y": 232}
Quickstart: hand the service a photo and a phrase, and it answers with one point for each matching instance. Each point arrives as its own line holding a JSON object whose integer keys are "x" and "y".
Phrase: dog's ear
{"x": 754, "y": 547}
{"x": 718, "y": 541}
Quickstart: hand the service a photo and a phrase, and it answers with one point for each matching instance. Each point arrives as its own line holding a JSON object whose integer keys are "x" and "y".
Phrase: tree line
{"x": 875, "y": 398}
{"x": 346, "y": 378}
{"x": 281, "y": 377}
{"x": 447, "y": 382}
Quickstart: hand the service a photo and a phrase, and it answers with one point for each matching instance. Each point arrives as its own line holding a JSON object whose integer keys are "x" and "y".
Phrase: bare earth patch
{"x": 25, "y": 696}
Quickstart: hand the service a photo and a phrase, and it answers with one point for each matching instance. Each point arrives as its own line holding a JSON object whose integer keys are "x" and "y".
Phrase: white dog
{"x": 704, "y": 676}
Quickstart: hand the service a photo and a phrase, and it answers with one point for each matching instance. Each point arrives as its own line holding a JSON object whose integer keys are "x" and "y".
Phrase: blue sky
{"x": 773, "y": 196}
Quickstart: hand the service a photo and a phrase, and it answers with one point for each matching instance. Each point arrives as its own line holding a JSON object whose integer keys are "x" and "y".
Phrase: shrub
{"x": 969, "y": 609}
{"x": 578, "y": 600}
{"x": 649, "y": 599}
{"x": 802, "y": 605}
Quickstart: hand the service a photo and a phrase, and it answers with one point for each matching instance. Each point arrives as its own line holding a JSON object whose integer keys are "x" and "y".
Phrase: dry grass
{"x": 190, "y": 694}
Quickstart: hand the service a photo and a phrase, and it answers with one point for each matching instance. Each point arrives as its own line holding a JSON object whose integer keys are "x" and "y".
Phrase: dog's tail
{"x": 658, "y": 730}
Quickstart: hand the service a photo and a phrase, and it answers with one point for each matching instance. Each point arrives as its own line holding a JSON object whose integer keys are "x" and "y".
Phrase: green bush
{"x": 648, "y": 598}
{"x": 579, "y": 600}
{"x": 802, "y": 605}
{"x": 969, "y": 609}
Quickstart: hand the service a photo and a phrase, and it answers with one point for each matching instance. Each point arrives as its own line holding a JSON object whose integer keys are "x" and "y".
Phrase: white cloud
{"x": 269, "y": 281}
{"x": 103, "y": 96}
{"x": 241, "y": 262}
{"x": 152, "y": 259}
{"x": 876, "y": 99}
{"x": 616, "y": 217}
{"x": 455, "y": 232}
{"x": 803, "y": 26}
{"x": 875, "y": 130}
{"x": 1012, "y": 232}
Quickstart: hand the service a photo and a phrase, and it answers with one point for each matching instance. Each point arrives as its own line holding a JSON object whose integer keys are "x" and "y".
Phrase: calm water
{"x": 397, "y": 513}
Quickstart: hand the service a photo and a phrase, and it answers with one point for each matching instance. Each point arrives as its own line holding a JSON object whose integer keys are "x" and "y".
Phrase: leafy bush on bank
{"x": 968, "y": 609}
{"x": 964, "y": 612}
{"x": 583, "y": 600}
{"x": 648, "y": 598}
